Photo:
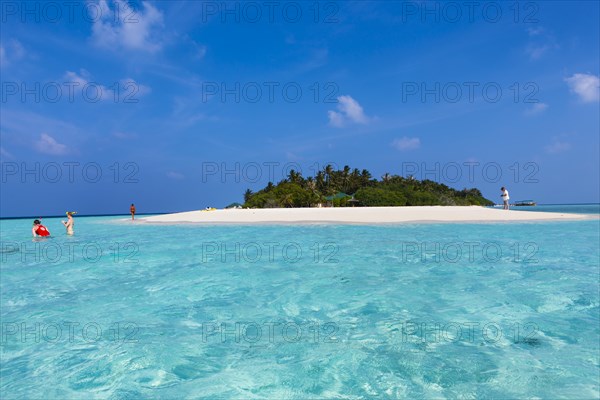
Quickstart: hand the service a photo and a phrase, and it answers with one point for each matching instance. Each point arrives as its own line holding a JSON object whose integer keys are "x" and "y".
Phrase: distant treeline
{"x": 351, "y": 187}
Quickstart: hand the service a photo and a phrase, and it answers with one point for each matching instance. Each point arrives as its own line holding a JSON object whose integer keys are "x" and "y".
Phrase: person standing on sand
{"x": 70, "y": 223}
{"x": 505, "y": 197}
{"x": 132, "y": 211}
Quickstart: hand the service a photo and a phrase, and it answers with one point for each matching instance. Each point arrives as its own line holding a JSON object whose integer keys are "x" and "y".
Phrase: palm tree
{"x": 328, "y": 172}
{"x": 287, "y": 200}
{"x": 315, "y": 196}
{"x": 365, "y": 177}
{"x": 354, "y": 181}
{"x": 320, "y": 180}
{"x": 294, "y": 177}
{"x": 247, "y": 195}
{"x": 345, "y": 178}
{"x": 271, "y": 203}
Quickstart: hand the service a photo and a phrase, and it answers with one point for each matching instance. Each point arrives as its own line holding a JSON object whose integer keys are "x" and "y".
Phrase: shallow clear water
{"x": 318, "y": 311}
{"x": 562, "y": 208}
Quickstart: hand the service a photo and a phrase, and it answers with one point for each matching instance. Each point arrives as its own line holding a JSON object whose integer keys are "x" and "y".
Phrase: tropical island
{"x": 350, "y": 196}
{"x": 350, "y": 187}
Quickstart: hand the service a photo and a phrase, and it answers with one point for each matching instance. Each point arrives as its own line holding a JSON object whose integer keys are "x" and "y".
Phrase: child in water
{"x": 70, "y": 222}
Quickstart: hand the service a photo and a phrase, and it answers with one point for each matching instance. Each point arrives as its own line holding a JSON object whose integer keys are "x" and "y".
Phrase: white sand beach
{"x": 360, "y": 215}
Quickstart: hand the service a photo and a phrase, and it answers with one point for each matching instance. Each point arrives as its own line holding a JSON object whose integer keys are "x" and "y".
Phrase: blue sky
{"x": 179, "y": 105}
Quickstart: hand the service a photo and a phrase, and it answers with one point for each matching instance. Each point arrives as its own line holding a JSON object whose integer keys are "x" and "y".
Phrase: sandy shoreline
{"x": 359, "y": 215}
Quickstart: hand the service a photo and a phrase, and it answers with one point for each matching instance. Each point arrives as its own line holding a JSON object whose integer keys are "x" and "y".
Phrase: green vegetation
{"x": 346, "y": 188}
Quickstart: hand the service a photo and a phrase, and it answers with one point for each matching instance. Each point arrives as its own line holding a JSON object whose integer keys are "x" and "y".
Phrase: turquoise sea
{"x": 562, "y": 208}
{"x": 124, "y": 310}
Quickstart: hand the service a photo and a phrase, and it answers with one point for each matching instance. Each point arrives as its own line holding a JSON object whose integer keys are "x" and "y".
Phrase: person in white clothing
{"x": 505, "y": 197}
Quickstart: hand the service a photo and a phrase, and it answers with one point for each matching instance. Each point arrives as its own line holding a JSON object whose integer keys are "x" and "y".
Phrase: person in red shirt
{"x": 132, "y": 211}
{"x": 39, "y": 229}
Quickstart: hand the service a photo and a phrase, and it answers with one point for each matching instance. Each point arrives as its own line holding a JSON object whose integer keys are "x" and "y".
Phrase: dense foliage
{"x": 362, "y": 190}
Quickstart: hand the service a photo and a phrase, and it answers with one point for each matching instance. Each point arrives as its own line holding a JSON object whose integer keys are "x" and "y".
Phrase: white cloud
{"x": 586, "y": 86}
{"x": 200, "y": 51}
{"x": 129, "y": 89}
{"x": 82, "y": 79}
{"x": 537, "y": 108}
{"x": 124, "y": 26}
{"x": 335, "y": 119}
{"x": 352, "y": 109}
{"x": 540, "y": 42}
{"x": 4, "y": 153}
{"x": 537, "y": 51}
{"x": 10, "y": 52}
{"x": 187, "y": 112}
{"x": 557, "y": 146}
{"x": 406, "y": 143}
{"x": 21, "y": 127}
{"x": 48, "y": 145}
{"x": 175, "y": 175}
{"x": 535, "y": 31}
{"x": 349, "y": 110}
